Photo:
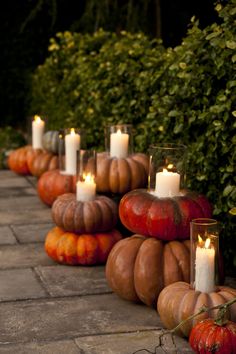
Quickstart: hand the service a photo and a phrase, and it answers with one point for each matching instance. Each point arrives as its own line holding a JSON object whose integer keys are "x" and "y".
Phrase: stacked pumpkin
{"x": 138, "y": 268}
{"x": 85, "y": 231}
{"x": 29, "y": 161}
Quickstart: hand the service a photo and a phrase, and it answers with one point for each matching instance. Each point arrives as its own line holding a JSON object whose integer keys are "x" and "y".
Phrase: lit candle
{"x": 86, "y": 190}
{"x": 167, "y": 184}
{"x": 205, "y": 267}
{"x": 119, "y": 144}
{"x": 37, "y": 132}
{"x": 72, "y": 145}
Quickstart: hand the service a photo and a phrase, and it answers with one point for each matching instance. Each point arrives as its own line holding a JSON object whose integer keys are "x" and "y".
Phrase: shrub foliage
{"x": 185, "y": 94}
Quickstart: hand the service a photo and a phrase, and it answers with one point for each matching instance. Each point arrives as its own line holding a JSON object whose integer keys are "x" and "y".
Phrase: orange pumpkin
{"x": 178, "y": 301}
{"x": 120, "y": 175}
{"x": 42, "y": 162}
{"x": 97, "y": 215}
{"x": 86, "y": 249}
{"x": 52, "y": 183}
{"x": 138, "y": 268}
{"x": 17, "y": 160}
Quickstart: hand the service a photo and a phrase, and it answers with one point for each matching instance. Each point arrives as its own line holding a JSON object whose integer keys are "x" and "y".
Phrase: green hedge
{"x": 185, "y": 94}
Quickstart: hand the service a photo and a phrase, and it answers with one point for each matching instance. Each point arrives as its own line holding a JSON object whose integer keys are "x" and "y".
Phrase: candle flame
{"x": 207, "y": 243}
{"x": 118, "y": 132}
{"x": 37, "y": 119}
{"x": 202, "y": 244}
{"x": 88, "y": 178}
{"x": 72, "y": 131}
{"x": 170, "y": 166}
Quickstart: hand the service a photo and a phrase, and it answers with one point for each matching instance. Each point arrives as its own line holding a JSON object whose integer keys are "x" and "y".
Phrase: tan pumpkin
{"x": 97, "y": 215}
{"x": 120, "y": 175}
{"x": 44, "y": 161}
{"x": 17, "y": 160}
{"x": 178, "y": 301}
{"x": 87, "y": 249}
{"x": 138, "y": 268}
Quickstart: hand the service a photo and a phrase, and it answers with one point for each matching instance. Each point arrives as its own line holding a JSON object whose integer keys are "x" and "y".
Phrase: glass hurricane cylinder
{"x": 71, "y": 140}
{"x": 204, "y": 234}
{"x": 166, "y": 169}
{"x": 119, "y": 140}
{"x": 86, "y": 175}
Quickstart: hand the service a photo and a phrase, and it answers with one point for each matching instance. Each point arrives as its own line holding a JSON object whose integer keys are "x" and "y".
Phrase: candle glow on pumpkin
{"x": 205, "y": 266}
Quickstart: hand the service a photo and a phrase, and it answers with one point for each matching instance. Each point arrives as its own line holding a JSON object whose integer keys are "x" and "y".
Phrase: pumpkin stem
{"x": 220, "y": 319}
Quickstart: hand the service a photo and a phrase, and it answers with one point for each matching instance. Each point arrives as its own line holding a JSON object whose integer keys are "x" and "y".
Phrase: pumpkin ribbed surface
{"x": 138, "y": 268}
{"x": 87, "y": 249}
{"x": 208, "y": 337}
{"x": 17, "y": 160}
{"x": 96, "y": 215}
{"x": 52, "y": 184}
{"x": 120, "y": 175}
{"x": 178, "y": 301}
{"x": 164, "y": 218}
{"x": 51, "y": 141}
{"x": 43, "y": 162}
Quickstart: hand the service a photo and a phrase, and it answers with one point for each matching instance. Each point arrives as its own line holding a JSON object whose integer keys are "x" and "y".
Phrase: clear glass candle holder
{"x": 86, "y": 175}
{"x": 166, "y": 169}
{"x": 37, "y": 124}
{"x": 119, "y": 140}
{"x": 204, "y": 234}
{"x": 71, "y": 140}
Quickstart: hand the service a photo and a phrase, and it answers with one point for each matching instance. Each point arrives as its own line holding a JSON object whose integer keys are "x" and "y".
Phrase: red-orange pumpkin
{"x": 178, "y": 301}
{"x": 209, "y": 337}
{"x": 87, "y": 249}
{"x": 97, "y": 215}
{"x": 52, "y": 183}
{"x": 164, "y": 218}
{"x": 44, "y": 161}
{"x": 138, "y": 268}
{"x": 17, "y": 160}
{"x": 120, "y": 175}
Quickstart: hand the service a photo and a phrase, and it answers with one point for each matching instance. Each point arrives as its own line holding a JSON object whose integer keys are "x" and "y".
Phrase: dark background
{"x": 27, "y": 25}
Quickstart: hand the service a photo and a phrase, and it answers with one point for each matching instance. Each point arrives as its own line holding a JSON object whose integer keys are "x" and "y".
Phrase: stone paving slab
{"x": 55, "y": 319}
{"x": 7, "y": 236}
{"x": 22, "y": 256}
{"x": 22, "y": 216}
{"x": 142, "y": 342}
{"x": 23, "y": 203}
{"x": 60, "y": 347}
{"x": 17, "y": 284}
{"x": 31, "y": 232}
{"x": 62, "y": 280}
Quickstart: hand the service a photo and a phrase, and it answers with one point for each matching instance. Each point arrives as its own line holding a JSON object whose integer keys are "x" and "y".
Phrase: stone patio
{"x": 53, "y": 309}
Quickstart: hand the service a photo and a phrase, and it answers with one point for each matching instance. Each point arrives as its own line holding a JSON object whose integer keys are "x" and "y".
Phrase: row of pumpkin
{"x": 153, "y": 266}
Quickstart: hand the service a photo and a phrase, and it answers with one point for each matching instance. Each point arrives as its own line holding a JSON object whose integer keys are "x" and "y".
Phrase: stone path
{"x": 46, "y": 308}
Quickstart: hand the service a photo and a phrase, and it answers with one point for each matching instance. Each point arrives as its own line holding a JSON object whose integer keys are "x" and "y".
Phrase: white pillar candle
{"x": 205, "y": 268}
{"x": 37, "y": 132}
{"x": 72, "y": 145}
{"x": 86, "y": 190}
{"x": 119, "y": 143}
{"x": 167, "y": 184}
